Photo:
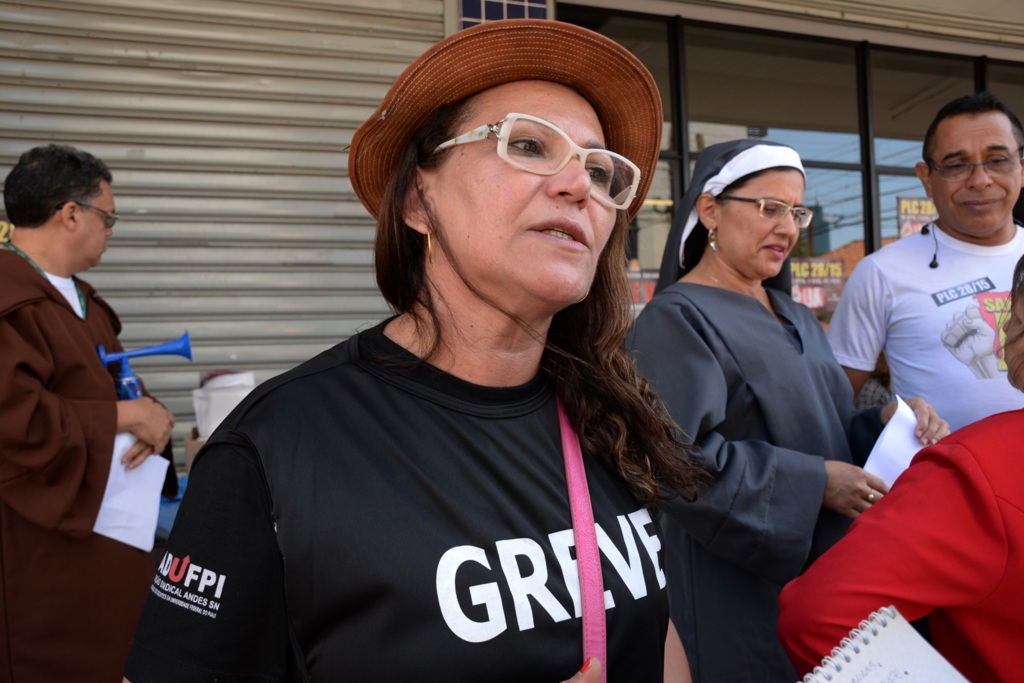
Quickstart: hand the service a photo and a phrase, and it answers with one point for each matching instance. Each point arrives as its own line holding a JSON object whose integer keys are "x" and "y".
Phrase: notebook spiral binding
{"x": 842, "y": 655}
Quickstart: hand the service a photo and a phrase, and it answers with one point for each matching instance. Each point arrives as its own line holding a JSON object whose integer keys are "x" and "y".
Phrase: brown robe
{"x": 69, "y": 598}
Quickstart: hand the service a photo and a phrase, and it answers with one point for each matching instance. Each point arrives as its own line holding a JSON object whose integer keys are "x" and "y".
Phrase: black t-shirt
{"x": 393, "y": 523}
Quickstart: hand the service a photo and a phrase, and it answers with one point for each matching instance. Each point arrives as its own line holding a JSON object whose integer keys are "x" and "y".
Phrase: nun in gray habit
{"x": 753, "y": 382}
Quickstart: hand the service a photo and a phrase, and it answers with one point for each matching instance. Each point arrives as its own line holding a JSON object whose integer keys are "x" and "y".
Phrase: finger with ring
{"x": 871, "y": 497}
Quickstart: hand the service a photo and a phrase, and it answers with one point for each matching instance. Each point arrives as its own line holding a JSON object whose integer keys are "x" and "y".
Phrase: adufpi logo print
{"x": 185, "y": 584}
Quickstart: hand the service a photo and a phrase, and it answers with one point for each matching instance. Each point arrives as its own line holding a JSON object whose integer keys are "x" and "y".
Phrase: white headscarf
{"x": 719, "y": 166}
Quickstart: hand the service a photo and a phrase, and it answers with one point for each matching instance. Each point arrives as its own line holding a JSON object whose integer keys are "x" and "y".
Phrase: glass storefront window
{"x": 655, "y": 219}
{"x": 648, "y": 234}
{"x": 905, "y": 206}
{"x": 645, "y": 38}
{"x": 1006, "y": 81}
{"x": 801, "y": 91}
{"x": 837, "y": 202}
{"x": 828, "y": 250}
{"x": 473, "y": 12}
{"x": 757, "y": 83}
{"x": 821, "y": 146}
{"x": 907, "y": 89}
{"x": 890, "y": 152}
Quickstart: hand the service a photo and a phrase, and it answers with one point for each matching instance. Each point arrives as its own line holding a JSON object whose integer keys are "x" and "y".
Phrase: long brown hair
{"x": 614, "y": 409}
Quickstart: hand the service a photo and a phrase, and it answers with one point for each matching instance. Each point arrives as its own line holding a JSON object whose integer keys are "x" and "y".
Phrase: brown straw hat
{"x": 618, "y": 86}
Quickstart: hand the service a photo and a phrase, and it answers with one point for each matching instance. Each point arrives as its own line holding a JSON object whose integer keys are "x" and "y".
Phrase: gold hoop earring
{"x": 711, "y": 240}
{"x": 430, "y": 249}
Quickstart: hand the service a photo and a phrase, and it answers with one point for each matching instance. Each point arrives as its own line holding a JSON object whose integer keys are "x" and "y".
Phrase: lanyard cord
{"x": 588, "y": 559}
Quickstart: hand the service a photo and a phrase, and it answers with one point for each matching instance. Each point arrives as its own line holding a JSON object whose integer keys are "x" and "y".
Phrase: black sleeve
{"x": 865, "y": 429}
{"x": 216, "y": 609}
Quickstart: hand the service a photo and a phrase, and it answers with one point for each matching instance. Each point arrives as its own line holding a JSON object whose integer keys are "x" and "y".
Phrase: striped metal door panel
{"x": 225, "y": 125}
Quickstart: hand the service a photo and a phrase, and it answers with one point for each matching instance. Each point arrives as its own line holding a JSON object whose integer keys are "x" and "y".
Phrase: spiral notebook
{"x": 883, "y": 648}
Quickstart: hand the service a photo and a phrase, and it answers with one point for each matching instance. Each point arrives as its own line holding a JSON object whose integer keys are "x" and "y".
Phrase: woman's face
{"x": 1013, "y": 343}
{"x": 529, "y": 242}
{"x": 753, "y": 246}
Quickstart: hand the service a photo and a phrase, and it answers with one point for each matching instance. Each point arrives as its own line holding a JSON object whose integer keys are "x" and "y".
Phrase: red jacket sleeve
{"x": 936, "y": 540}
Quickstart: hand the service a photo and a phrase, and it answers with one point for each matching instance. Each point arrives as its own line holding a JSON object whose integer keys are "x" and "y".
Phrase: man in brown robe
{"x": 69, "y": 598}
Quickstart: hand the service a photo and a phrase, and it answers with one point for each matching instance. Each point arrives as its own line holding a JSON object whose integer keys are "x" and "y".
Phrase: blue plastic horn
{"x": 128, "y": 385}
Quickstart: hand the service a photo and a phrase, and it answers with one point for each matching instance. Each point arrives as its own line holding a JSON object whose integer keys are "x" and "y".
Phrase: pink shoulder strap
{"x": 588, "y": 559}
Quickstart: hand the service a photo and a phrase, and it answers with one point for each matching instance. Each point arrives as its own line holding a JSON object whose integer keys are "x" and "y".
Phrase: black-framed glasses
{"x": 538, "y": 146}
{"x": 962, "y": 170}
{"x": 110, "y": 218}
{"x": 776, "y": 210}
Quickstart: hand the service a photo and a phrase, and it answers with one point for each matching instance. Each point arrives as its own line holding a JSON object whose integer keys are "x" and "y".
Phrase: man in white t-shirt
{"x": 935, "y": 302}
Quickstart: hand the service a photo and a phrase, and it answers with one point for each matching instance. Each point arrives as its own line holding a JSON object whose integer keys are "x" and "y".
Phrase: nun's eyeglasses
{"x": 775, "y": 210}
{"x": 541, "y": 147}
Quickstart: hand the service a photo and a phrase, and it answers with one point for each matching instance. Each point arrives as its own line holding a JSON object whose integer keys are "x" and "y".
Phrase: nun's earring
{"x": 711, "y": 240}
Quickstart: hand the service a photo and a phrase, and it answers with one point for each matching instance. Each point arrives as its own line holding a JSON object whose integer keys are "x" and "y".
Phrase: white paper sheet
{"x": 131, "y": 501}
{"x": 896, "y": 446}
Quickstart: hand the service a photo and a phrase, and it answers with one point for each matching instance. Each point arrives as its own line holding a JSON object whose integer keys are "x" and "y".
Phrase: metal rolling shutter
{"x": 224, "y": 124}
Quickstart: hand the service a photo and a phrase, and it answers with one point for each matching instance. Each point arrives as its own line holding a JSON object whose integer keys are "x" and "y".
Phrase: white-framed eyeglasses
{"x": 775, "y": 210}
{"x": 538, "y": 146}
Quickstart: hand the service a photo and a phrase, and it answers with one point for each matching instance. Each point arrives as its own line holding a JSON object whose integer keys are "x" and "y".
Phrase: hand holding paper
{"x": 131, "y": 501}
{"x": 896, "y": 446}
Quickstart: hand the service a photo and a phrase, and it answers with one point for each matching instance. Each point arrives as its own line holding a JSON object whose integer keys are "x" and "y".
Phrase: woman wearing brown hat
{"x": 411, "y": 504}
